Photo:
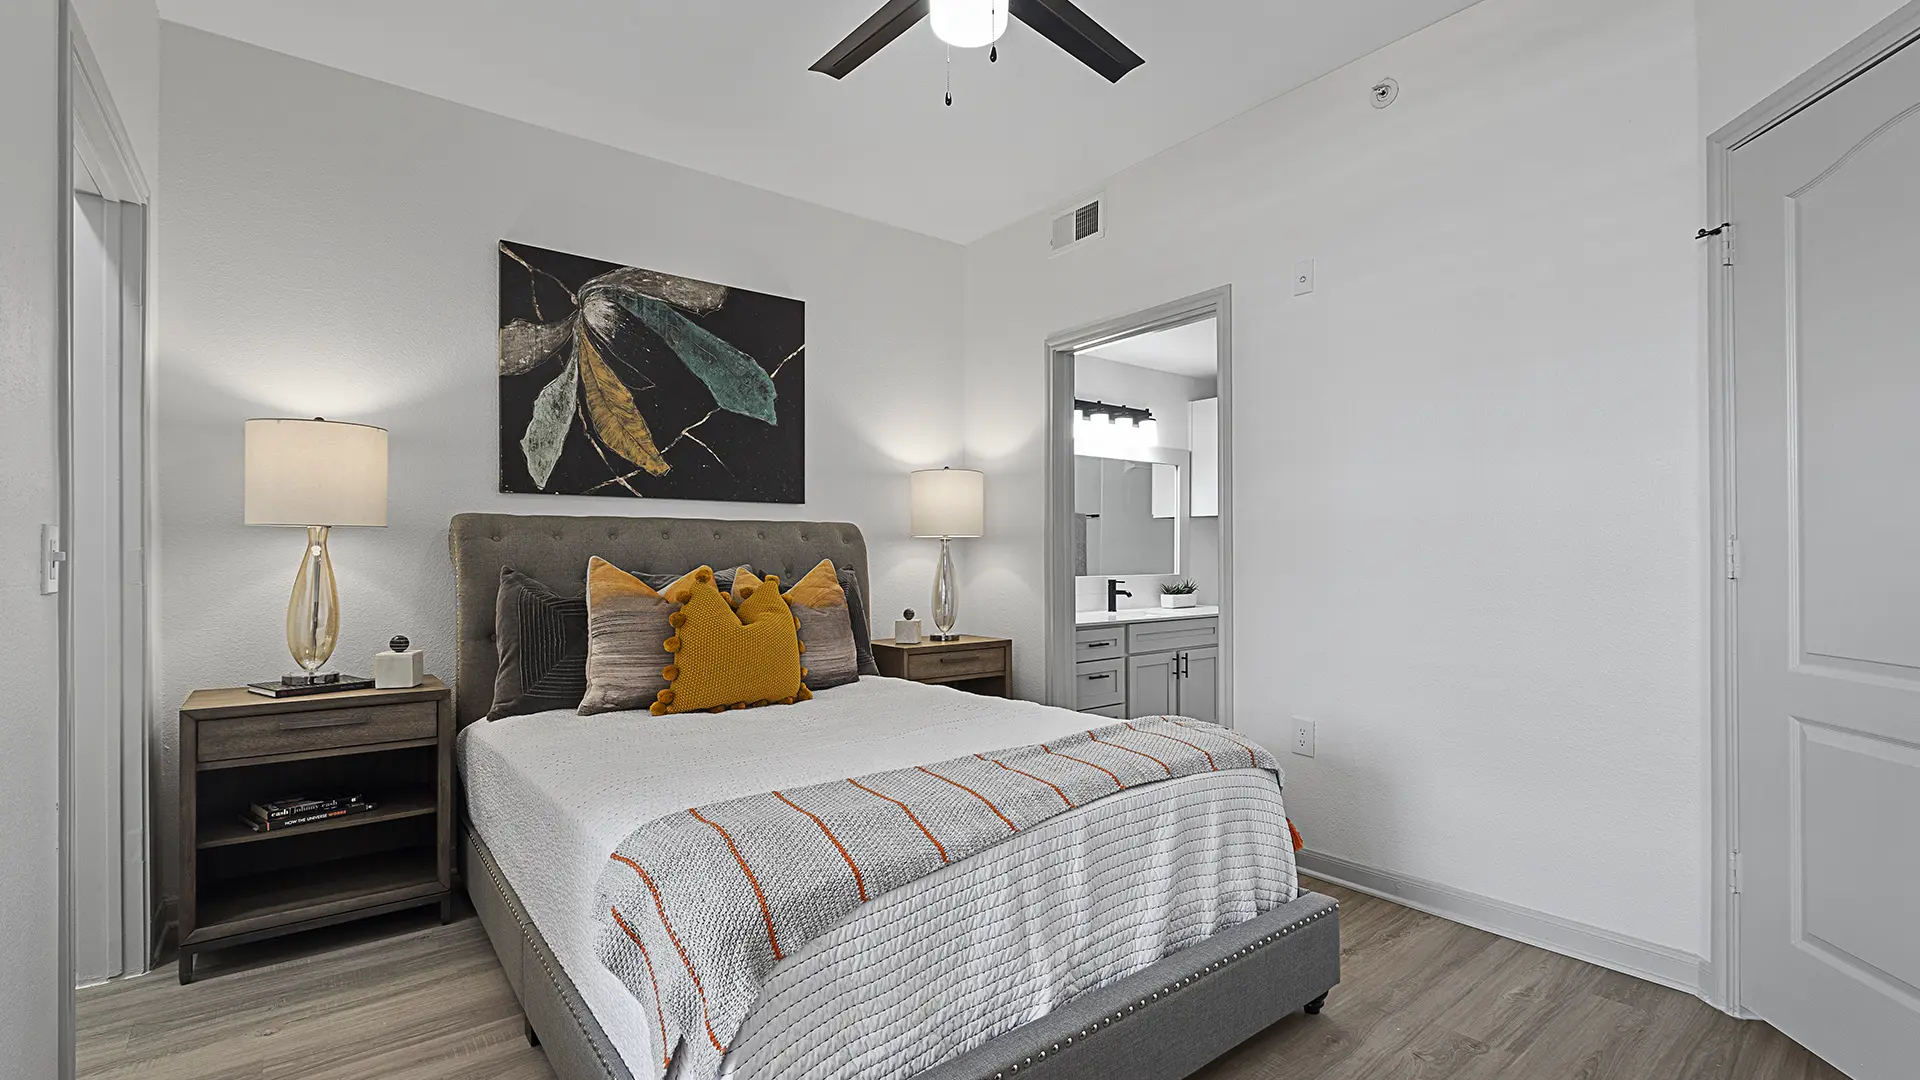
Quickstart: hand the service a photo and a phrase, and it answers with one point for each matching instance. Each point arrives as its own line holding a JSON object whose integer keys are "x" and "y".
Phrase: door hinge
{"x": 1733, "y": 558}
{"x": 1724, "y": 231}
{"x": 1733, "y": 871}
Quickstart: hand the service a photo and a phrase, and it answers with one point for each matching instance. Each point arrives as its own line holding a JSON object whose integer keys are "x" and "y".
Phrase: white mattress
{"x": 921, "y": 973}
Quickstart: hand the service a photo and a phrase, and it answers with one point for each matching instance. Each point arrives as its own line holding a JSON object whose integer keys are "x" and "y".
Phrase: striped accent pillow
{"x": 542, "y": 640}
{"x": 819, "y": 605}
{"x": 626, "y": 633}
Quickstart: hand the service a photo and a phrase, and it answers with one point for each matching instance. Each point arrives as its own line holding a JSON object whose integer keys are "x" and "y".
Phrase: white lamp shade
{"x": 315, "y": 472}
{"x": 969, "y": 24}
{"x": 949, "y": 502}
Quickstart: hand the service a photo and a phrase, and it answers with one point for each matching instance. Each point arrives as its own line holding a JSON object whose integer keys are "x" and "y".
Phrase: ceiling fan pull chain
{"x": 993, "y": 52}
{"x": 949, "y": 76}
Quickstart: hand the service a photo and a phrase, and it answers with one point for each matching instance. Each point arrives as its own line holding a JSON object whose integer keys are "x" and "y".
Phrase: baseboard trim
{"x": 1632, "y": 956}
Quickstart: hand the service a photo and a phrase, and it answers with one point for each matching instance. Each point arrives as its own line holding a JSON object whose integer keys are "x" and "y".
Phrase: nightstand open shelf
{"x": 394, "y": 747}
{"x": 392, "y": 807}
{"x": 309, "y": 894}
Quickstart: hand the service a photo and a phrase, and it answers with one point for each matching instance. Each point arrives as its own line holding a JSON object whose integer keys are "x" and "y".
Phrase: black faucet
{"x": 1114, "y": 593}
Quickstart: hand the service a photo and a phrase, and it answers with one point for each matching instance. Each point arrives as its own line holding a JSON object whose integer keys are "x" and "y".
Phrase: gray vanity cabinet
{"x": 1162, "y": 667}
{"x": 1183, "y": 683}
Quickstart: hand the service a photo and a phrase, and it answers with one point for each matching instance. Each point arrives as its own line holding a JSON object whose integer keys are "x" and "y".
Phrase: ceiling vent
{"x": 1079, "y": 225}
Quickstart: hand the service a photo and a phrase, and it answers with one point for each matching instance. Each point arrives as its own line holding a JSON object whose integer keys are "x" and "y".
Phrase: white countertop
{"x": 1150, "y": 614}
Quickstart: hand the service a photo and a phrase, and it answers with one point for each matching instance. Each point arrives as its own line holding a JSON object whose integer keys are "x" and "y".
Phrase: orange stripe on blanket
{"x": 1131, "y": 750}
{"x": 975, "y": 794}
{"x": 1030, "y": 776}
{"x": 705, "y": 1017}
{"x": 937, "y": 845}
{"x": 666, "y": 1060}
{"x": 1181, "y": 741}
{"x": 765, "y": 912}
{"x": 1117, "y": 785}
{"x": 1252, "y": 760}
{"x": 858, "y": 881}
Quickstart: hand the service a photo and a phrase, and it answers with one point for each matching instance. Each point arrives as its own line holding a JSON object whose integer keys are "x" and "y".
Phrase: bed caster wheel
{"x": 1314, "y": 1006}
{"x": 526, "y": 1028}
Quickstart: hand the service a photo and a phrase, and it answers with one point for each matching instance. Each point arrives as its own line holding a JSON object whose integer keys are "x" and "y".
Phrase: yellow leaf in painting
{"x": 615, "y": 417}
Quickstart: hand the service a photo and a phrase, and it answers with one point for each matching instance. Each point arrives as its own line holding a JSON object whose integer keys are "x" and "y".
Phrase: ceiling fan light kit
{"x": 971, "y": 24}
{"x": 968, "y": 24}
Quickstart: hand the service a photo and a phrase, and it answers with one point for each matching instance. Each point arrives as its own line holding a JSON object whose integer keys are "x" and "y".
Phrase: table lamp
{"x": 315, "y": 474}
{"x": 947, "y": 503}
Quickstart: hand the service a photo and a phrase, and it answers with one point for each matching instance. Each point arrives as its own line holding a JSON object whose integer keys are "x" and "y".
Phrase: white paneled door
{"x": 1826, "y": 507}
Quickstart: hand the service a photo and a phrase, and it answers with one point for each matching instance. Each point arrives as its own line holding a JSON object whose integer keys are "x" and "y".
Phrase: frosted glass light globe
{"x": 969, "y": 24}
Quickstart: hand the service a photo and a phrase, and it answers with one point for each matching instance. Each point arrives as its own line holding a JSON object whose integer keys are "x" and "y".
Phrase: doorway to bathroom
{"x": 1139, "y": 507}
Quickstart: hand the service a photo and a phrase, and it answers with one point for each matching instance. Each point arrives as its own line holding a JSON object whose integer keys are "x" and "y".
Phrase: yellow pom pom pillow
{"x": 727, "y": 659}
{"x": 626, "y": 623}
{"x": 819, "y": 605}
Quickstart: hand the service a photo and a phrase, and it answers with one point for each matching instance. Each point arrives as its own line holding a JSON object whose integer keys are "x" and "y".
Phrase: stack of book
{"x": 303, "y": 810}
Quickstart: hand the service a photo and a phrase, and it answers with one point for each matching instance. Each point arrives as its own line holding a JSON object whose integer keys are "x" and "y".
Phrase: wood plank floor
{"x": 1420, "y": 999}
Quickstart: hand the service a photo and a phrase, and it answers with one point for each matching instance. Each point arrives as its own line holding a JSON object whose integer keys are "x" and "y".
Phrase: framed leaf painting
{"x": 633, "y": 383}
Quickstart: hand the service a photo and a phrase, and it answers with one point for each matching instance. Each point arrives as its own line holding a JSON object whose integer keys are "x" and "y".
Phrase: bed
{"x": 1187, "y": 933}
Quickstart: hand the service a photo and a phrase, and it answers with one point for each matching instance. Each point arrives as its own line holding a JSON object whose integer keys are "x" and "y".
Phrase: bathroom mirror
{"x": 1127, "y": 516}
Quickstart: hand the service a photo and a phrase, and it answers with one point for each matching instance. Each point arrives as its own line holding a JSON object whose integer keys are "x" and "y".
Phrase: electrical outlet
{"x": 1303, "y": 737}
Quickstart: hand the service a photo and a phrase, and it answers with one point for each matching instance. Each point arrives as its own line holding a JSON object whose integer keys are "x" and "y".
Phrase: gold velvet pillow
{"x": 819, "y": 605}
{"x": 727, "y": 659}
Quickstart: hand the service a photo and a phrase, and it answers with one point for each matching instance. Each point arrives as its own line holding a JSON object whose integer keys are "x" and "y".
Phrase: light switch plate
{"x": 1303, "y": 277}
{"x": 1303, "y": 737}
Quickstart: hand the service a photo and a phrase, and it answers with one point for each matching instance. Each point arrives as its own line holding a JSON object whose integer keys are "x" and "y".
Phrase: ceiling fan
{"x": 973, "y": 24}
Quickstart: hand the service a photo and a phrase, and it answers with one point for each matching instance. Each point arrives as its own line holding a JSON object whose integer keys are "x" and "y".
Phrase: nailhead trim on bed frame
{"x": 1171, "y": 987}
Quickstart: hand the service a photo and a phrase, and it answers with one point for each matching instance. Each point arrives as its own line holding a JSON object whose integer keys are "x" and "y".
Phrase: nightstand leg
{"x": 526, "y": 1026}
{"x": 186, "y": 967}
{"x": 446, "y": 911}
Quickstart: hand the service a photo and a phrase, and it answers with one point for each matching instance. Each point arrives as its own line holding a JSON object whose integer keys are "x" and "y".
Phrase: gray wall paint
{"x": 29, "y": 495}
{"x": 330, "y": 250}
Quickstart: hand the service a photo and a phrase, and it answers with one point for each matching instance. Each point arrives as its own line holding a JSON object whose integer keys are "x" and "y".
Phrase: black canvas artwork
{"x": 628, "y": 382}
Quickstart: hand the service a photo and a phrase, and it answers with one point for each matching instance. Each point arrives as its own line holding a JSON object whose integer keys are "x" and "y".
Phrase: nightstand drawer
{"x": 956, "y": 663}
{"x": 317, "y": 729}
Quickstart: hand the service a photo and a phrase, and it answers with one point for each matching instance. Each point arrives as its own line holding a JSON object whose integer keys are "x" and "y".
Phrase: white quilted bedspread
{"x": 922, "y": 973}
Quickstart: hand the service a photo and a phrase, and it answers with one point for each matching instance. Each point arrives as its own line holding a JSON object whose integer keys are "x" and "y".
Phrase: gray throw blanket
{"x": 697, "y": 907}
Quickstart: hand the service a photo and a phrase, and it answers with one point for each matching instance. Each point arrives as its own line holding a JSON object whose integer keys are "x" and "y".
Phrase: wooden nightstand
{"x": 236, "y": 747}
{"x": 979, "y": 665}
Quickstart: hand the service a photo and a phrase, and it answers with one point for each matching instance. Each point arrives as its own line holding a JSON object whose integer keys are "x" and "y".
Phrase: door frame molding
{"x": 1720, "y": 977}
{"x": 1216, "y": 304}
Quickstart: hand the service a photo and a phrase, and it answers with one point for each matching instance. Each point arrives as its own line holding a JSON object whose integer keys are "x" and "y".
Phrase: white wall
{"x": 1751, "y": 48}
{"x": 29, "y": 495}
{"x": 1468, "y": 469}
{"x": 125, "y": 38}
{"x": 330, "y": 250}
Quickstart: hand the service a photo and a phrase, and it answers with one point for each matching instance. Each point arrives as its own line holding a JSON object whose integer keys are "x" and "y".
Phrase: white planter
{"x": 1171, "y": 600}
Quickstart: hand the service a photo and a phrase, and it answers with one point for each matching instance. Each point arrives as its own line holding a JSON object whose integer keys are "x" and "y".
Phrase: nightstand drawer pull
{"x": 348, "y": 720}
{"x": 1102, "y": 675}
{"x": 1101, "y": 644}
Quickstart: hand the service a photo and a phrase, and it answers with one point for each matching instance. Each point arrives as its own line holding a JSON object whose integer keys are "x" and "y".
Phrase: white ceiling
{"x": 1184, "y": 350}
{"x": 722, "y": 86}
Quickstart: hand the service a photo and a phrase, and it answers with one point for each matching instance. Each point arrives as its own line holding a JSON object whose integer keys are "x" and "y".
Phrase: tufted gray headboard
{"x": 554, "y": 551}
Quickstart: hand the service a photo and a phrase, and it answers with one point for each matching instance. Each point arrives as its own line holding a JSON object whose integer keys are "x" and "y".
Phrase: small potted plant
{"x": 1179, "y": 594}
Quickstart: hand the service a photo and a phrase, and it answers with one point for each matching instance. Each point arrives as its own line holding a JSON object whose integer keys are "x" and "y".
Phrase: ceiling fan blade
{"x": 1075, "y": 31}
{"x": 886, "y": 24}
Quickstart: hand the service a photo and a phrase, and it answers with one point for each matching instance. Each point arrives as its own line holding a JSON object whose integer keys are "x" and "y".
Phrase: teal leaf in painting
{"x": 737, "y": 382}
{"x": 552, "y": 418}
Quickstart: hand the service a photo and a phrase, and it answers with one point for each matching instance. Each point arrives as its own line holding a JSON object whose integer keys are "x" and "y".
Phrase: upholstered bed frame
{"x": 1162, "y": 1022}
